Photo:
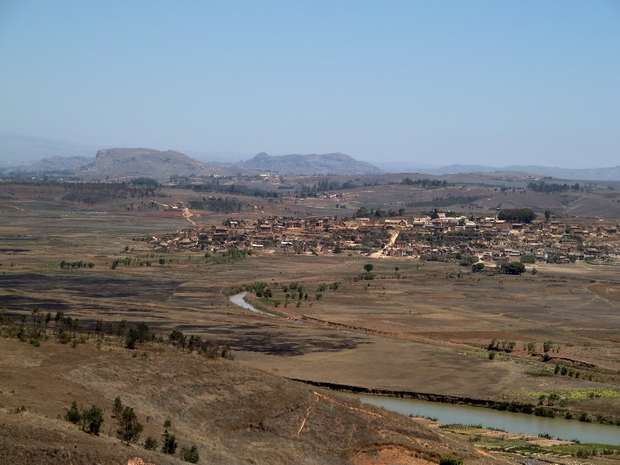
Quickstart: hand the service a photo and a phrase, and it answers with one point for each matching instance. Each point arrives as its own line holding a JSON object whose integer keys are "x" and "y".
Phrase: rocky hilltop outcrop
{"x": 330, "y": 163}
{"x": 125, "y": 163}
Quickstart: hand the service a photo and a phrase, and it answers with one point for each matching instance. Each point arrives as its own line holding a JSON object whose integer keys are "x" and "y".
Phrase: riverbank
{"x": 531, "y": 402}
{"x": 540, "y": 413}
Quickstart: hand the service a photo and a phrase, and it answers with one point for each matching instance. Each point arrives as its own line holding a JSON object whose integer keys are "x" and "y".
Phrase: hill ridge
{"x": 336, "y": 163}
{"x": 121, "y": 163}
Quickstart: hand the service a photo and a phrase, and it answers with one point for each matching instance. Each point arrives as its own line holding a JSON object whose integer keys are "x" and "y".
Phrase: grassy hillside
{"x": 232, "y": 414}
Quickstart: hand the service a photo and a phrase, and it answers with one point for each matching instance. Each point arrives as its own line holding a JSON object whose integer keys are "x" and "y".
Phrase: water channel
{"x": 488, "y": 418}
{"x": 237, "y": 299}
{"x": 507, "y": 421}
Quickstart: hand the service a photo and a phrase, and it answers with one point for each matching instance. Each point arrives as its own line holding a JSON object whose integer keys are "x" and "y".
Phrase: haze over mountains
{"x": 331, "y": 163}
{"x": 595, "y": 174}
{"x": 32, "y": 154}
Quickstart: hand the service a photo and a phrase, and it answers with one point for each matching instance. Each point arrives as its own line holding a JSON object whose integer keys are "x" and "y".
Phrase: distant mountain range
{"x": 593, "y": 174}
{"x": 330, "y": 163}
{"x": 128, "y": 163}
{"x": 36, "y": 155}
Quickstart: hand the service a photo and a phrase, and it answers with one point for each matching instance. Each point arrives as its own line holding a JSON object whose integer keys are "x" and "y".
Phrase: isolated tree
{"x": 477, "y": 267}
{"x": 511, "y": 268}
{"x": 129, "y": 428}
{"x": 150, "y": 443}
{"x": 35, "y": 314}
{"x": 190, "y": 455}
{"x": 368, "y": 267}
{"x": 21, "y": 329}
{"x": 170, "y": 443}
{"x": 59, "y": 318}
{"x": 117, "y": 410}
{"x": 92, "y": 420}
{"x": 73, "y": 414}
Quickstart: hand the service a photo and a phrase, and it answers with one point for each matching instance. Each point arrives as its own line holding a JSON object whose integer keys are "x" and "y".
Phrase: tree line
{"x": 550, "y": 188}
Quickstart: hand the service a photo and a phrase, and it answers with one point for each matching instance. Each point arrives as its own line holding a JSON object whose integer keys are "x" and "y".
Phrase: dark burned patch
{"x": 14, "y": 250}
{"x": 271, "y": 341}
{"x": 144, "y": 290}
{"x": 19, "y": 304}
{"x": 16, "y": 306}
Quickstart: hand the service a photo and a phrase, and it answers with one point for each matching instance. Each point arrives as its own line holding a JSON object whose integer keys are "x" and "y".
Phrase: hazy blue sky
{"x": 436, "y": 82}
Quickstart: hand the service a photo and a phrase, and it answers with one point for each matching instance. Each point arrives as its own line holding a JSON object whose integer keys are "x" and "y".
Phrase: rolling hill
{"x": 331, "y": 163}
{"x": 234, "y": 415}
{"x": 127, "y": 163}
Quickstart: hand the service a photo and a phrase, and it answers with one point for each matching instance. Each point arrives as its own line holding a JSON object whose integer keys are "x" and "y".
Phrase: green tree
{"x": 92, "y": 420}
{"x": 190, "y": 455}
{"x": 139, "y": 334}
{"x": 477, "y": 267}
{"x": 99, "y": 327}
{"x": 73, "y": 414}
{"x": 517, "y": 215}
{"x": 129, "y": 428}
{"x": 170, "y": 443}
{"x": 35, "y": 319}
{"x": 117, "y": 409}
{"x": 150, "y": 443}
{"x": 450, "y": 461}
{"x": 511, "y": 268}
{"x": 369, "y": 267}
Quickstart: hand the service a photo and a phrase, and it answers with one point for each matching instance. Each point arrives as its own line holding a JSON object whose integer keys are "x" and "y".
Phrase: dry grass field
{"x": 423, "y": 328}
{"x": 232, "y": 414}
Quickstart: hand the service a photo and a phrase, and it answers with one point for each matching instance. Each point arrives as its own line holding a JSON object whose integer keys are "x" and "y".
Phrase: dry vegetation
{"x": 415, "y": 328}
{"x": 230, "y": 413}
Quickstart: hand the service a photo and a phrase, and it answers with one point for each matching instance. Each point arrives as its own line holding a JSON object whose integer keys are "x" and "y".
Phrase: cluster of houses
{"x": 490, "y": 239}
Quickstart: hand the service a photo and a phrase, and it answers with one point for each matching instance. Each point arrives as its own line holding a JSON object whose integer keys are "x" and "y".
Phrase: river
{"x": 510, "y": 422}
{"x": 488, "y": 418}
{"x": 237, "y": 299}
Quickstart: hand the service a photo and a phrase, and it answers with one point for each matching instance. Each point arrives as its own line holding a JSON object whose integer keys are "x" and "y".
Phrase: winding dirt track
{"x": 379, "y": 254}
